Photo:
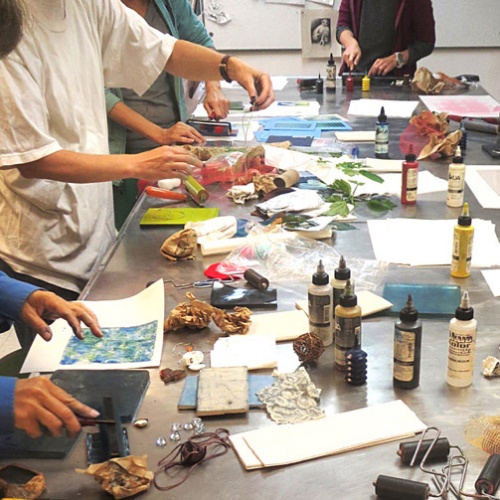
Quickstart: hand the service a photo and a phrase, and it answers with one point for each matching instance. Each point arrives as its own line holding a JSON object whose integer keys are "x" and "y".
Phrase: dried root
{"x": 198, "y": 314}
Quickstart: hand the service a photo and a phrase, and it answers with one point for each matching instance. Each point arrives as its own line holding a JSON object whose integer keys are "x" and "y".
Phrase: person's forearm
{"x": 131, "y": 120}
{"x": 194, "y": 62}
{"x": 346, "y": 37}
{"x": 68, "y": 166}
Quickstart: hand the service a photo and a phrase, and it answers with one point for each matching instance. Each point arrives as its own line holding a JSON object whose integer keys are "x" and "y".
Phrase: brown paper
{"x": 121, "y": 477}
{"x": 444, "y": 147}
{"x": 434, "y": 83}
{"x": 180, "y": 246}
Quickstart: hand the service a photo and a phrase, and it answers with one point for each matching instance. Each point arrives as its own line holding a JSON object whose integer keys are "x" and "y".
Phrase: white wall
{"x": 484, "y": 62}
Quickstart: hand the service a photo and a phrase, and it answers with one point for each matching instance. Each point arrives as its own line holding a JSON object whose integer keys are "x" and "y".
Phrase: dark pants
{"x": 26, "y": 335}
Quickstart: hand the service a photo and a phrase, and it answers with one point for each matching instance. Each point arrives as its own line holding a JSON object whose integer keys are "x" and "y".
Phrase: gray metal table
{"x": 135, "y": 260}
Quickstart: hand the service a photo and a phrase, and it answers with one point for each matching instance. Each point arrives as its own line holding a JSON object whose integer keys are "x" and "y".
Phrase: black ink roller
{"x": 489, "y": 478}
{"x": 256, "y": 280}
{"x": 394, "y": 488}
{"x": 439, "y": 451}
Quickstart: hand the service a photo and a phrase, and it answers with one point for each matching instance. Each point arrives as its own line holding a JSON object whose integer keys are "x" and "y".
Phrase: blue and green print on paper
{"x": 132, "y": 344}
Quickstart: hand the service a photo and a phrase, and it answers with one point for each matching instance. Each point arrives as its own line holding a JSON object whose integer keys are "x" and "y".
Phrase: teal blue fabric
{"x": 182, "y": 24}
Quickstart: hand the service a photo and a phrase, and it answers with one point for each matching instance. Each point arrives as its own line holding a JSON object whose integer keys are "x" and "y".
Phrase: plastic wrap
{"x": 283, "y": 256}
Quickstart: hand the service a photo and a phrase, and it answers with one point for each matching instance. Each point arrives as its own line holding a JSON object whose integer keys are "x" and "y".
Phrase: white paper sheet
{"x": 145, "y": 308}
{"x": 484, "y": 182}
{"x": 421, "y": 242}
{"x": 283, "y": 325}
{"x": 371, "y": 107}
{"x": 474, "y": 106}
{"x": 285, "y": 444}
{"x": 492, "y": 277}
{"x": 254, "y": 352}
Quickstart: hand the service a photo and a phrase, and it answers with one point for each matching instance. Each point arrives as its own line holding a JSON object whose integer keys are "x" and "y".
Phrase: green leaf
{"x": 372, "y": 176}
{"x": 342, "y": 186}
{"x": 338, "y": 208}
{"x": 379, "y": 205}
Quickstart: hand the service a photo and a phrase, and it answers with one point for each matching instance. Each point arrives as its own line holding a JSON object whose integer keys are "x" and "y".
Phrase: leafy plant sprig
{"x": 344, "y": 191}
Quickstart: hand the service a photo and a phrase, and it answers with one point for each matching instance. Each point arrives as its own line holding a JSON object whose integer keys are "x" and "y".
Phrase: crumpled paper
{"x": 198, "y": 314}
{"x": 121, "y": 477}
{"x": 218, "y": 228}
{"x": 240, "y": 194}
{"x": 444, "y": 147}
{"x": 428, "y": 123}
{"x": 264, "y": 183}
{"x": 491, "y": 367}
{"x": 31, "y": 489}
{"x": 434, "y": 83}
{"x": 295, "y": 201}
{"x": 180, "y": 246}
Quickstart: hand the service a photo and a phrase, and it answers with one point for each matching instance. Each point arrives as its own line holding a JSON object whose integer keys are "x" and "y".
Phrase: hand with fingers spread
{"x": 42, "y": 306}
{"x": 165, "y": 162}
{"x": 39, "y": 403}
{"x": 383, "y": 66}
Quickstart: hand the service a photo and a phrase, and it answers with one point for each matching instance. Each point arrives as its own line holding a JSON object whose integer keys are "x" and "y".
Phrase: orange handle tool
{"x": 164, "y": 194}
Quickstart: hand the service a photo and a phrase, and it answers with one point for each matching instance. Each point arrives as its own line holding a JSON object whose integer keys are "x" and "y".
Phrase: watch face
{"x": 400, "y": 59}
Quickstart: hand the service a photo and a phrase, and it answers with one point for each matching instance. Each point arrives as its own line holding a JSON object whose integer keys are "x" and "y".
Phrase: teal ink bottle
{"x": 407, "y": 347}
{"x": 382, "y": 135}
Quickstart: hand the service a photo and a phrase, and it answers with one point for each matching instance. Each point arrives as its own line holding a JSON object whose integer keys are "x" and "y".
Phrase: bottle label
{"x": 382, "y": 138}
{"x": 462, "y": 252}
{"x": 456, "y": 184}
{"x": 331, "y": 77}
{"x": 411, "y": 184}
{"x": 461, "y": 351}
{"x": 347, "y": 330}
{"x": 404, "y": 355}
{"x": 320, "y": 309}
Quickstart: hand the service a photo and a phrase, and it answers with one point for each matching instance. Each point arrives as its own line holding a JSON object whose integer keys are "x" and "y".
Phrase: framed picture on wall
{"x": 318, "y": 33}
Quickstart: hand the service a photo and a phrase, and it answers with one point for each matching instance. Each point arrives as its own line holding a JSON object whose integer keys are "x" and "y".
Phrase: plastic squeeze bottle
{"x": 320, "y": 302}
{"x": 409, "y": 178}
{"x": 340, "y": 277}
{"x": 382, "y": 135}
{"x": 347, "y": 325}
{"x": 407, "y": 347}
{"x": 463, "y": 238}
{"x": 331, "y": 74}
{"x": 462, "y": 345}
{"x": 456, "y": 180}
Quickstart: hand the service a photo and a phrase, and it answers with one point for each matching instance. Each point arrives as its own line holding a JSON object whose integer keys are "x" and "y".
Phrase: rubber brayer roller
{"x": 256, "y": 280}
{"x": 395, "y": 488}
{"x": 489, "y": 477}
{"x": 440, "y": 450}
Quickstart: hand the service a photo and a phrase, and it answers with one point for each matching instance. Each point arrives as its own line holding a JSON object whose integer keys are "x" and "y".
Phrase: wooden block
{"x": 222, "y": 390}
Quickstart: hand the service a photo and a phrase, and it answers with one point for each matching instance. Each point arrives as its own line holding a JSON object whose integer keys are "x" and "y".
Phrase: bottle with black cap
{"x": 340, "y": 277}
{"x": 347, "y": 325}
{"x": 407, "y": 347}
{"x": 382, "y": 135}
{"x": 320, "y": 304}
{"x": 331, "y": 74}
{"x": 456, "y": 180}
{"x": 462, "y": 345}
{"x": 463, "y": 239}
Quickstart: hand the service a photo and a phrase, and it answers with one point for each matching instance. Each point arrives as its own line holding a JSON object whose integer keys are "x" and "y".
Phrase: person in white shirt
{"x": 55, "y": 196}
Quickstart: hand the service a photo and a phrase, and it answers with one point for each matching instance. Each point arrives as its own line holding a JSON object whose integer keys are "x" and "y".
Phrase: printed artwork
{"x": 118, "y": 345}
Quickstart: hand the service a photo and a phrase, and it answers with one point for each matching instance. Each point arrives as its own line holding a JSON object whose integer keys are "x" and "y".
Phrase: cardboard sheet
{"x": 286, "y": 444}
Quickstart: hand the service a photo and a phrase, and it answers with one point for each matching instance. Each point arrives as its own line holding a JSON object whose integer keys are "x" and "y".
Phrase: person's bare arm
{"x": 68, "y": 166}
{"x": 352, "y": 52}
{"x": 195, "y": 62}
{"x": 131, "y": 120}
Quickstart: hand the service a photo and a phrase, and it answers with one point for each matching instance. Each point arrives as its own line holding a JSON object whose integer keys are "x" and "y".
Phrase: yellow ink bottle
{"x": 463, "y": 237}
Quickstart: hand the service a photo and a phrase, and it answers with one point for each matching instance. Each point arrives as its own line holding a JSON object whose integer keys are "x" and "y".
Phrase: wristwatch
{"x": 400, "y": 60}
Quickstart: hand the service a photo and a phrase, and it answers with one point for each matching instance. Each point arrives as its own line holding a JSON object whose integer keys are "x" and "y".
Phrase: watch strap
{"x": 223, "y": 68}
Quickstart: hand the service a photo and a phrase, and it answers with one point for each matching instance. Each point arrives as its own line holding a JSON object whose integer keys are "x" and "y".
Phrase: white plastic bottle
{"x": 462, "y": 345}
{"x": 456, "y": 181}
{"x": 320, "y": 302}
